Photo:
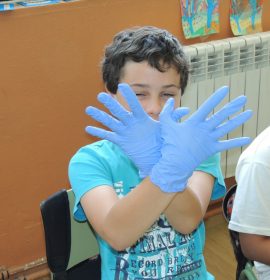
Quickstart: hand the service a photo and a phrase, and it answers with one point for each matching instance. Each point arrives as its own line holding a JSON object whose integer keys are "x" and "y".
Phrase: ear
{"x": 114, "y": 95}
{"x": 106, "y": 89}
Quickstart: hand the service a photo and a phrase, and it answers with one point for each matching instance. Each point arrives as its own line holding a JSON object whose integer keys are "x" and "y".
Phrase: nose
{"x": 154, "y": 108}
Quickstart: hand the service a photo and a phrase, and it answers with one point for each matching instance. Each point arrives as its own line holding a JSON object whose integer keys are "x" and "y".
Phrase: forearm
{"x": 188, "y": 208}
{"x": 128, "y": 218}
{"x": 184, "y": 213}
{"x": 256, "y": 247}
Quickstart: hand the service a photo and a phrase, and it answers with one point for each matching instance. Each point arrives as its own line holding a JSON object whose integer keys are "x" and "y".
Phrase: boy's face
{"x": 151, "y": 86}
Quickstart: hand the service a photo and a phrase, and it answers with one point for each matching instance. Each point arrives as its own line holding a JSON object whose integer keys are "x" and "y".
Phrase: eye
{"x": 168, "y": 95}
{"x": 140, "y": 95}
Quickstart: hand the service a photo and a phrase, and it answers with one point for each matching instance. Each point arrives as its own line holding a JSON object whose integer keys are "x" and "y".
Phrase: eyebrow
{"x": 147, "y": 86}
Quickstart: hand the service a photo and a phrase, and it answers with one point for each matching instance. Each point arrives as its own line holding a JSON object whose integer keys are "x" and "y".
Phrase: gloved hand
{"x": 134, "y": 131}
{"x": 187, "y": 144}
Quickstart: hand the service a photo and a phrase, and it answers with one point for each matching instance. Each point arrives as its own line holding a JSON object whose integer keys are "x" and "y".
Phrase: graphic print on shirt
{"x": 118, "y": 187}
{"x": 161, "y": 254}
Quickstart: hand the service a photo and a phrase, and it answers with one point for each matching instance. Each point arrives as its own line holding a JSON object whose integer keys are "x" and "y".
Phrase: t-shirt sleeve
{"x": 212, "y": 166}
{"x": 86, "y": 171}
{"x": 251, "y": 208}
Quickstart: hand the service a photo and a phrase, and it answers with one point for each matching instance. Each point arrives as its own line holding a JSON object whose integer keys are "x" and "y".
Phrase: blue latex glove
{"x": 136, "y": 133}
{"x": 186, "y": 145}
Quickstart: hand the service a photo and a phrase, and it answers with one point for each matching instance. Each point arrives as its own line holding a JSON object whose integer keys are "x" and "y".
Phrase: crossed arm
{"x": 120, "y": 222}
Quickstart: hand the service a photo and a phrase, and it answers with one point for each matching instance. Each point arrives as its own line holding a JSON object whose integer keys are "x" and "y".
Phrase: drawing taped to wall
{"x": 246, "y": 16}
{"x": 199, "y": 17}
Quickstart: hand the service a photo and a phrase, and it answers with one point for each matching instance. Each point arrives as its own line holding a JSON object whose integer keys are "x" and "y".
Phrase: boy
{"x": 140, "y": 190}
{"x": 251, "y": 209}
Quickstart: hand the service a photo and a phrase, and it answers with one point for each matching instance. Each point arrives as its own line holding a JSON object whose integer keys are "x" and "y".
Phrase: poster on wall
{"x": 246, "y": 16}
{"x": 5, "y": 6}
{"x": 199, "y": 17}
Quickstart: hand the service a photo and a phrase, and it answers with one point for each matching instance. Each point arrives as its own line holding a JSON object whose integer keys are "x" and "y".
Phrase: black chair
{"x": 244, "y": 269}
{"x": 71, "y": 247}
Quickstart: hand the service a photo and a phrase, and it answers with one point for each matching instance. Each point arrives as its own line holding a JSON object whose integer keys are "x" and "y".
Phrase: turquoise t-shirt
{"x": 162, "y": 252}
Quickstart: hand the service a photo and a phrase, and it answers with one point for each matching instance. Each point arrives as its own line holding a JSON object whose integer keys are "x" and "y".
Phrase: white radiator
{"x": 242, "y": 63}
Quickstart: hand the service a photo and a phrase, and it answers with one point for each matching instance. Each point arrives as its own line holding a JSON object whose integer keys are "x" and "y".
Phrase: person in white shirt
{"x": 251, "y": 208}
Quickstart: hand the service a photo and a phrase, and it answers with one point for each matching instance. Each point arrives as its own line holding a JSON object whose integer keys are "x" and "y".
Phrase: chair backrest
{"x": 83, "y": 241}
{"x": 244, "y": 265}
{"x": 71, "y": 246}
{"x": 227, "y": 203}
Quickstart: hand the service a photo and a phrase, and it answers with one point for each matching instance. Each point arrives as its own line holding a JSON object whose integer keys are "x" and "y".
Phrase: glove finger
{"x": 114, "y": 106}
{"x": 232, "y": 124}
{"x": 167, "y": 110}
{"x": 100, "y": 133}
{"x": 233, "y": 143}
{"x": 104, "y": 118}
{"x": 226, "y": 111}
{"x": 208, "y": 106}
{"x": 179, "y": 113}
{"x": 132, "y": 101}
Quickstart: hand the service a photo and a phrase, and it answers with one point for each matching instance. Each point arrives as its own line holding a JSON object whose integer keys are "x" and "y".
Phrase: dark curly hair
{"x": 156, "y": 46}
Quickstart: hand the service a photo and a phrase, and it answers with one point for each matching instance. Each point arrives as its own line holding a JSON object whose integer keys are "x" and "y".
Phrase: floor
{"x": 218, "y": 250}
